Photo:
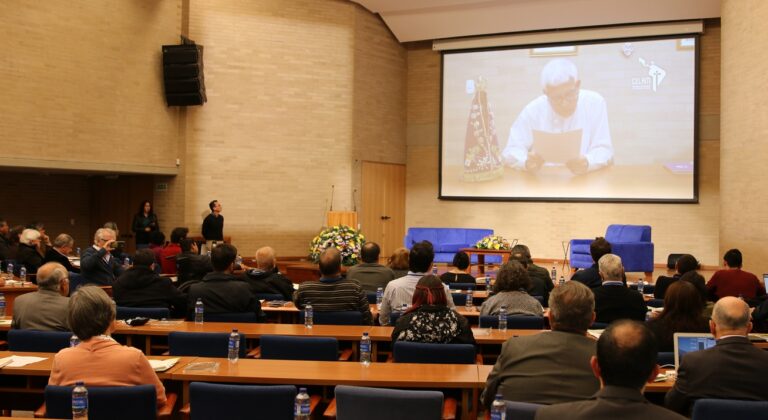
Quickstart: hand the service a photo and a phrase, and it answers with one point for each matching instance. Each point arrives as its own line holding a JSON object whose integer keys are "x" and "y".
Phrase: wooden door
{"x": 383, "y": 205}
{"x": 117, "y": 199}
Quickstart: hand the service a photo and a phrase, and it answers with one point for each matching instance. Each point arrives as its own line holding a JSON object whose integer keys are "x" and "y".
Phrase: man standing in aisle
{"x": 213, "y": 224}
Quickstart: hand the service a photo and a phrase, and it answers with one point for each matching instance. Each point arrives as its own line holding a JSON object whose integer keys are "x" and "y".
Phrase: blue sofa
{"x": 447, "y": 241}
{"x": 630, "y": 242}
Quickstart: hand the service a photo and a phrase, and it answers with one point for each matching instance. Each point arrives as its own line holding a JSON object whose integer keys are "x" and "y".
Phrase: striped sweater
{"x": 334, "y": 294}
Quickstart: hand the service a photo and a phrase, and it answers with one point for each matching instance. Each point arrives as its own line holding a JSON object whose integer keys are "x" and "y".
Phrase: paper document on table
{"x": 163, "y": 365}
{"x": 19, "y": 361}
{"x": 211, "y": 367}
{"x": 595, "y": 333}
{"x": 5, "y": 322}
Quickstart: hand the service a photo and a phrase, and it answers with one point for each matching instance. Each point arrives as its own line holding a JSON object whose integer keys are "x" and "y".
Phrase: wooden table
{"x": 390, "y": 375}
{"x": 481, "y": 253}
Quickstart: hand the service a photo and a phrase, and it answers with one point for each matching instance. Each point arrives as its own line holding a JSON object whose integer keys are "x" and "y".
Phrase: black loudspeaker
{"x": 183, "y": 75}
{"x": 672, "y": 260}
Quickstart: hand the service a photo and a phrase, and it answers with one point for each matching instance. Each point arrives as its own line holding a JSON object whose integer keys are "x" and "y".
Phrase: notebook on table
{"x": 688, "y": 342}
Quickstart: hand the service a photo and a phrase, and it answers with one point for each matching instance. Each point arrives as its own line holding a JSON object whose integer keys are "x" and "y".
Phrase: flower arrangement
{"x": 493, "y": 242}
{"x": 347, "y": 240}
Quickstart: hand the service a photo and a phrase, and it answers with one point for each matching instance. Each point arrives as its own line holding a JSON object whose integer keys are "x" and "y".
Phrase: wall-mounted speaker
{"x": 183, "y": 75}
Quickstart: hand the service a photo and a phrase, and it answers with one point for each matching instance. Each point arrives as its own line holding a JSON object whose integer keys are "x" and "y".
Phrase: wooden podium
{"x": 349, "y": 218}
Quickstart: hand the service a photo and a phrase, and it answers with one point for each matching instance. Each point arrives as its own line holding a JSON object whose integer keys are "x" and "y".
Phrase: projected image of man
{"x": 564, "y": 107}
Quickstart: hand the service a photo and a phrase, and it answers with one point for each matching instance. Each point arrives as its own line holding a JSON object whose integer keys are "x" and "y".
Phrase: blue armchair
{"x": 630, "y": 242}
{"x": 448, "y": 241}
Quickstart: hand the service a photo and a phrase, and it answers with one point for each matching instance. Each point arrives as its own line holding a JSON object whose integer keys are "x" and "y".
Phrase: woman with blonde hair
{"x": 398, "y": 262}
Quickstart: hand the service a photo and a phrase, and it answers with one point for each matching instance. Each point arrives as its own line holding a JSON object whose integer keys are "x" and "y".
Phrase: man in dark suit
{"x": 591, "y": 276}
{"x": 62, "y": 246}
{"x": 541, "y": 282}
{"x": 97, "y": 264}
{"x": 733, "y": 369}
{"x": 221, "y": 291}
{"x": 141, "y": 287}
{"x": 625, "y": 361}
{"x": 552, "y": 366}
{"x": 614, "y": 300}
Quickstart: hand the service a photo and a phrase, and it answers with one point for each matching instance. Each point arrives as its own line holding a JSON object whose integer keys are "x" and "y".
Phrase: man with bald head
{"x": 45, "y": 309}
{"x": 370, "y": 274}
{"x": 625, "y": 362}
{"x": 333, "y": 292}
{"x": 734, "y": 368}
{"x": 266, "y": 278}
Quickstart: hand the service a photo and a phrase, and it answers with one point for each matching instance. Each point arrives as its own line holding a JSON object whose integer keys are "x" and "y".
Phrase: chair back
{"x": 201, "y": 344}
{"x": 656, "y": 303}
{"x": 353, "y": 403}
{"x": 41, "y": 341}
{"x": 335, "y": 317}
{"x": 461, "y": 286}
{"x": 598, "y": 325}
{"x": 521, "y": 410}
{"x": 223, "y": 401}
{"x": 394, "y": 316}
{"x": 371, "y": 297}
{"x": 116, "y": 402}
{"x": 232, "y": 317}
{"x": 409, "y": 352}
{"x": 299, "y": 348}
{"x": 124, "y": 312}
{"x": 716, "y": 409}
{"x": 76, "y": 280}
{"x": 459, "y": 299}
{"x": 514, "y": 322}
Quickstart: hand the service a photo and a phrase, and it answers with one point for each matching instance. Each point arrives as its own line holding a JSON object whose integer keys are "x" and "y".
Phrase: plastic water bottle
{"x": 199, "y": 311}
{"x": 379, "y": 297}
{"x": 469, "y": 300}
{"x": 562, "y": 281}
{"x": 2, "y": 305}
{"x": 434, "y": 270}
{"x": 553, "y": 274}
{"x": 404, "y": 308}
{"x": 127, "y": 262}
{"x": 640, "y": 286}
{"x": 79, "y": 401}
{"x": 77, "y": 252}
{"x": 503, "y": 318}
{"x": 309, "y": 316}
{"x": 301, "y": 406}
{"x": 239, "y": 261}
{"x": 233, "y": 349}
{"x": 498, "y": 408}
{"x": 365, "y": 350}
{"x": 73, "y": 341}
{"x": 488, "y": 284}
{"x": 23, "y": 274}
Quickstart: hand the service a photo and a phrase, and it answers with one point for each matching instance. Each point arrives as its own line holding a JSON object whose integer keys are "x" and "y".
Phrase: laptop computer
{"x": 557, "y": 148}
{"x": 688, "y": 342}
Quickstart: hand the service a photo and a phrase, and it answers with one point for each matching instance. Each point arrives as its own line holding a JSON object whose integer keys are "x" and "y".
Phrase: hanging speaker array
{"x": 183, "y": 75}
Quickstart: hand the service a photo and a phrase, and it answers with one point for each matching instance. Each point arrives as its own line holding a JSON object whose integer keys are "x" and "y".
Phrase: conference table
{"x": 288, "y": 313}
{"x": 13, "y": 290}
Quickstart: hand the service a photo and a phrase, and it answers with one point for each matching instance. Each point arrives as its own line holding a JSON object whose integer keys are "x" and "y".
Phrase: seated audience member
{"x": 684, "y": 264}
{"x": 118, "y": 249}
{"x": 169, "y": 252}
{"x": 14, "y": 236}
{"x": 541, "y": 282}
{"x": 510, "y": 291}
{"x": 733, "y": 281}
{"x": 29, "y": 254}
{"x": 430, "y": 320}
{"x": 552, "y": 366}
{"x": 333, "y": 292}
{"x": 591, "y": 276}
{"x": 370, "y": 274}
{"x": 398, "y": 262}
{"x": 614, "y": 300}
{"x": 97, "y": 264}
{"x": 459, "y": 273}
{"x": 625, "y": 362}
{"x": 62, "y": 246}
{"x": 683, "y": 312}
{"x": 5, "y": 241}
{"x": 45, "y": 241}
{"x": 399, "y": 292}
{"x": 733, "y": 369}
{"x": 156, "y": 244}
{"x": 191, "y": 265}
{"x": 222, "y": 291}
{"x": 45, "y": 309}
{"x": 98, "y": 359}
{"x": 697, "y": 280}
{"x": 265, "y": 278}
{"x": 140, "y": 287}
